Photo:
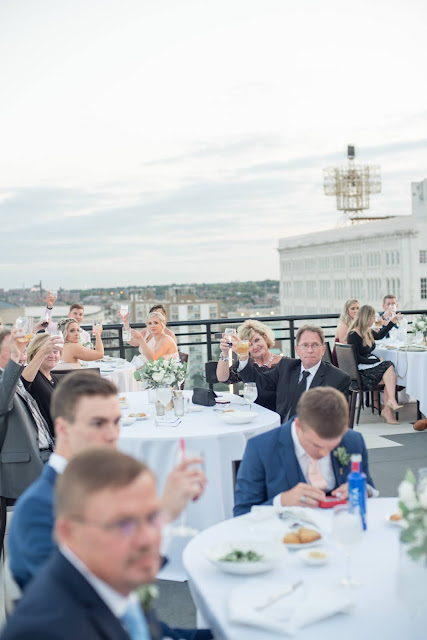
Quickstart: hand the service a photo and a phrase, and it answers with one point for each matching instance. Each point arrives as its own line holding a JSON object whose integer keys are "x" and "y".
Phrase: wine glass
{"x": 230, "y": 332}
{"x": 419, "y": 337}
{"x": 182, "y": 529}
{"x": 250, "y": 393}
{"x": 347, "y": 531}
{"x": 25, "y": 325}
{"x": 164, "y": 395}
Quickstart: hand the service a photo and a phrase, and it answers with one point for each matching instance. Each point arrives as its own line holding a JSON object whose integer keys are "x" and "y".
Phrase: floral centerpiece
{"x": 420, "y": 324}
{"x": 161, "y": 372}
{"x": 413, "y": 505}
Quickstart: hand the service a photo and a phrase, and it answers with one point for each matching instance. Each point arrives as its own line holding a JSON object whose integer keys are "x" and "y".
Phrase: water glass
{"x": 250, "y": 393}
{"x": 347, "y": 532}
{"x": 178, "y": 405}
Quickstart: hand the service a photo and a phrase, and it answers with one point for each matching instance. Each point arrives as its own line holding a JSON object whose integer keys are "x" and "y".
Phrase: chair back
{"x": 59, "y": 373}
{"x": 327, "y": 356}
{"x": 210, "y": 372}
{"x": 347, "y": 360}
{"x": 183, "y": 356}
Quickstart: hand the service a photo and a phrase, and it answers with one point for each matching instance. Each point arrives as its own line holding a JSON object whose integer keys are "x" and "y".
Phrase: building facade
{"x": 320, "y": 271}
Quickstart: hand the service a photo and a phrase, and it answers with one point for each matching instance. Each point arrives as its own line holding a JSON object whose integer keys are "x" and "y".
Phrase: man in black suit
{"x": 291, "y": 376}
{"x": 108, "y": 530}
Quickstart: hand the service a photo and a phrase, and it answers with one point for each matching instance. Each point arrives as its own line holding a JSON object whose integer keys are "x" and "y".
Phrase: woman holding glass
{"x": 372, "y": 370}
{"x": 154, "y": 343}
{"x": 73, "y": 350}
{"x": 43, "y": 355}
{"x": 261, "y": 339}
{"x": 351, "y": 307}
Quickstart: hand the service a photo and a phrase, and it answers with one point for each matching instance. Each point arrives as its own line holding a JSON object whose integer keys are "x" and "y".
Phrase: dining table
{"x": 118, "y": 370}
{"x": 385, "y": 604}
{"x": 410, "y": 363}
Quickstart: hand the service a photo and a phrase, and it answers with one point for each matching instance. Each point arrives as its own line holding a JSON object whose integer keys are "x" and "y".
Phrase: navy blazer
{"x": 269, "y": 466}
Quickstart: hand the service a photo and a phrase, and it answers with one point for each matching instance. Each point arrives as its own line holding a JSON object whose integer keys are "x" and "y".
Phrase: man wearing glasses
{"x": 292, "y": 376}
{"x": 108, "y": 530}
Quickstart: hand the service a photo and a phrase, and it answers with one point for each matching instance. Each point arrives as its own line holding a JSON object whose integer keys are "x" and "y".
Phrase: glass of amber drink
{"x": 242, "y": 347}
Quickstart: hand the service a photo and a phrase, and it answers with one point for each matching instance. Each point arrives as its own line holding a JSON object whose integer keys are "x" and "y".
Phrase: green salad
{"x": 241, "y": 556}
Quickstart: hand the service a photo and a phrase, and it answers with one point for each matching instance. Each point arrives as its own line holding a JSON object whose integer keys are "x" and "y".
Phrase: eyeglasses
{"x": 315, "y": 346}
{"x": 125, "y": 527}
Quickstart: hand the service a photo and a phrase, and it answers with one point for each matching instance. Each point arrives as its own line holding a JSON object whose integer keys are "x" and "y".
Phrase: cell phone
{"x": 331, "y": 501}
{"x": 44, "y": 324}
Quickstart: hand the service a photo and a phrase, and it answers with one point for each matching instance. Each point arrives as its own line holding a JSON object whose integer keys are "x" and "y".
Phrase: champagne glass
{"x": 228, "y": 333}
{"x": 60, "y": 336}
{"x": 96, "y": 323}
{"x": 123, "y": 311}
{"x": 347, "y": 532}
{"x": 250, "y": 393}
{"x": 25, "y": 325}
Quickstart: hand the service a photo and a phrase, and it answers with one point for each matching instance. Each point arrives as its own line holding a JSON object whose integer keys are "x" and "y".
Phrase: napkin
{"x": 289, "y": 614}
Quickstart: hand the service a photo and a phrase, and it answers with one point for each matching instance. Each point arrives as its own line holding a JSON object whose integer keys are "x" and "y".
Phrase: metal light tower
{"x": 352, "y": 185}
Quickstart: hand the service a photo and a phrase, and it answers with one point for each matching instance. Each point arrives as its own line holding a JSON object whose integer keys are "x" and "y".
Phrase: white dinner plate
{"x": 271, "y": 553}
{"x": 239, "y": 417}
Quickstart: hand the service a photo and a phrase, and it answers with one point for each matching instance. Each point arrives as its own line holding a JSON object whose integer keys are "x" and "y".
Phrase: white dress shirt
{"x": 58, "y": 463}
{"x": 325, "y": 465}
{"x": 312, "y": 371}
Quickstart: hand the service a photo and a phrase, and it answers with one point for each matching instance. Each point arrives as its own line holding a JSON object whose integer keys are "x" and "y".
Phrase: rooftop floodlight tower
{"x": 352, "y": 185}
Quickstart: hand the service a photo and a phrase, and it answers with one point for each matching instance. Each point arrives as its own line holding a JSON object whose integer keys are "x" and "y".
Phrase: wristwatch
{"x": 223, "y": 358}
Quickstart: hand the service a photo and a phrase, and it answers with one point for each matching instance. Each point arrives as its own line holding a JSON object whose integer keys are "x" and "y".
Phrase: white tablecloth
{"x": 204, "y": 431}
{"x": 118, "y": 371}
{"x": 411, "y": 370}
{"x": 378, "y": 611}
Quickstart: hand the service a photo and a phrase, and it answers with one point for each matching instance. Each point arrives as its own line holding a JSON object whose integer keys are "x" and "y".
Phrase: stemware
{"x": 164, "y": 395}
{"x": 228, "y": 333}
{"x": 25, "y": 326}
{"x": 182, "y": 529}
{"x": 250, "y": 393}
{"x": 347, "y": 531}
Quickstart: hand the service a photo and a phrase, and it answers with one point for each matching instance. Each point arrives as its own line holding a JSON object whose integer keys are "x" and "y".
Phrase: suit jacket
{"x": 20, "y": 461}
{"x": 269, "y": 466}
{"x": 283, "y": 379}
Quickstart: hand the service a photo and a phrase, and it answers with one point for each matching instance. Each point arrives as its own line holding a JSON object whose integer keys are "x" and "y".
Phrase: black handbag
{"x": 205, "y": 397}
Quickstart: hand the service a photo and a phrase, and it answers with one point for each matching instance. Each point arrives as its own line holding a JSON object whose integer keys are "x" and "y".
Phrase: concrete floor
{"x": 392, "y": 450}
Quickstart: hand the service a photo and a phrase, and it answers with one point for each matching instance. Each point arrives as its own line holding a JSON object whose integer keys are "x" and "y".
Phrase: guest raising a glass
{"x": 154, "y": 343}
{"x": 261, "y": 340}
{"x": 73, "y": 350}
{"x": 351, "y": 307}
{"x": 372, "y": 370}
{"x": 43, "y": 355}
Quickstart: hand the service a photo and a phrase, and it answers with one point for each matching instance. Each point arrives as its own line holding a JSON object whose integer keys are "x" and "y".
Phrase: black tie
{"x": 302, "y": 384}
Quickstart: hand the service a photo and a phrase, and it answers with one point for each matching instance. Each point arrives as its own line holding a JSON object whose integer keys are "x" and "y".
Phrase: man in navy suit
{"x": 295, "y": 464}
{"x": 108, "y": 529}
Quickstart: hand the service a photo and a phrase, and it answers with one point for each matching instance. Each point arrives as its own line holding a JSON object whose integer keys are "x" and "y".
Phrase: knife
{"x": 280, "y": 594}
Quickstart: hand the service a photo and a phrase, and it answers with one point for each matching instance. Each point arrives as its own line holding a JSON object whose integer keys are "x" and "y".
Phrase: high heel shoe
{"x": 394, "y": 407}
{"x": 384, "y": 417}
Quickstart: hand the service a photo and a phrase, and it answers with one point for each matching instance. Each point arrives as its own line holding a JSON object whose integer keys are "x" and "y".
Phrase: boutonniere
{"x": 147, "y": 594}
{"x": 343, "y": 457}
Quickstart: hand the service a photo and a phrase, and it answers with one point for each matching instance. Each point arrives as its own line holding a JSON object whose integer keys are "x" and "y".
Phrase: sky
{"x": 150, "y": 142}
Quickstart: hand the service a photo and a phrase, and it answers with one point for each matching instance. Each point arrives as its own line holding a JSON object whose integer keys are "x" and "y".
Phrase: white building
{"x": 320, "y": 271}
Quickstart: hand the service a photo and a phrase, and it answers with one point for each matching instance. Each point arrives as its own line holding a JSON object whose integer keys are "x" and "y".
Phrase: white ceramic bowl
{"x": 239, "y": 417}
{"x": 315, "y": 557}
{"x": 271, "y": 553}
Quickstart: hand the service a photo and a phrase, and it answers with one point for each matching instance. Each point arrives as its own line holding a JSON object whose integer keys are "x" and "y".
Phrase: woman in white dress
{"x": 154, "y": 343}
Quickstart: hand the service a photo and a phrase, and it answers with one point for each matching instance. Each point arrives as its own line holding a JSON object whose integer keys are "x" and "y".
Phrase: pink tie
{"x": 315, "y": 477}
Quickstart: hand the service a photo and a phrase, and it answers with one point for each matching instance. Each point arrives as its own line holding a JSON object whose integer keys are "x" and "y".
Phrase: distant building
{"x": 320, "y": 271}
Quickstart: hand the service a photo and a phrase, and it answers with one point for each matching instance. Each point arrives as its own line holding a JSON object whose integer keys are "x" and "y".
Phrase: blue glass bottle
{"x": 357, "y": 489}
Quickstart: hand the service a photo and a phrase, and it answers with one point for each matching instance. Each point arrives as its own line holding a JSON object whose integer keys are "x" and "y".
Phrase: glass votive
{"x": 178, "y": 405}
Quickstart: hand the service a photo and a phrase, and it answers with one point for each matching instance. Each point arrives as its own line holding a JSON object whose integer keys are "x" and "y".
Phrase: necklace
{"x": 266, "y": 363}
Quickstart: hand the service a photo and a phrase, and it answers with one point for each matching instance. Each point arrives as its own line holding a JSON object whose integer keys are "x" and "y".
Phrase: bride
{"x": 155, "y": 343}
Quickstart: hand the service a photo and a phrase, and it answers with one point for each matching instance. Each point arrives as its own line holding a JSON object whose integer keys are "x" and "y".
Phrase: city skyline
{"x": 160, "y": 142}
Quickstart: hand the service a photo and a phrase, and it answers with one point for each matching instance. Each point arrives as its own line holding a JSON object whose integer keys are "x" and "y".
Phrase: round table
{"x": 204, "y": 431}
{"x": 377, "y": 611}
{"x": 411, "y": 369}
{"x": 117, "y": 370}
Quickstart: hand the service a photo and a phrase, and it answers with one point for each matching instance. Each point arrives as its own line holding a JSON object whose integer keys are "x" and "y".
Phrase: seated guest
{"x": 108, "y": 529}
{"x": 290, "y": 377}
{"x": 351, "y": 307}
{"x": 76, "y": 312}
{"x": 154, "y": 343}
{"x": 86, "y": 413}
{"x": 24, "y": 434}
{"x": 261, "y": 340}
{"x": 73, "y": 350}
{"x": 390, "y": 306}
{"x": 295, "y": 465}
{"x": 372, "y": 370}
{"x": 43, "y": 355}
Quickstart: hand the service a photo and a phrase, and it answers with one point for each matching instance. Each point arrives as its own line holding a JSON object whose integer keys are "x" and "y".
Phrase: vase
{"x": 151, "y": 395}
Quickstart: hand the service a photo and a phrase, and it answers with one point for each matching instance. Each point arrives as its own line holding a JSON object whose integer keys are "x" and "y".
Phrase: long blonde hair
{"x": 345, "y": 317}
{"x": 362, "y": 323}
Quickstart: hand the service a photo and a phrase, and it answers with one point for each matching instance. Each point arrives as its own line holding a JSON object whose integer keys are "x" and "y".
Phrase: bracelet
{"x": 223, "y": 358}
{"x": 50, "y": 308}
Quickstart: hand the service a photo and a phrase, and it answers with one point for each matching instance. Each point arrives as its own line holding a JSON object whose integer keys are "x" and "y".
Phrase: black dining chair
{"x": 327, "y": 356}
{"x": 59, "y": 373}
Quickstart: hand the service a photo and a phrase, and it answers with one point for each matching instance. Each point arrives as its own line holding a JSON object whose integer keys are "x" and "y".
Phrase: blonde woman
{"x": 372, "y": 370}
{"x": 154, "y": 343}
{"x": 351, "y": 307}
{"x": 74, "y": 351}
{"x": 261, "y": 340}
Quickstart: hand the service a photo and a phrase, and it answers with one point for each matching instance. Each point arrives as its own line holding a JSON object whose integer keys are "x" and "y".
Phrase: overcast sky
{"x": 161, "y": 141}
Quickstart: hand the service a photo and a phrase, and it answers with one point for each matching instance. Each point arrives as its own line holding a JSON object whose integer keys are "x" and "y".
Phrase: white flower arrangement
{"x": 420, "y": 324}
{"x": 413, "y": 504}
{"x": 163, "y": 372}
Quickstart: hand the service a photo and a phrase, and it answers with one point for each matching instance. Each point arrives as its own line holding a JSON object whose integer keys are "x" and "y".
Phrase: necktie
{"x": 134, "y": 622}
{"x": 315, "y": 477}
{"x": 45, "y": 440}
{"x": 301, "y": 387}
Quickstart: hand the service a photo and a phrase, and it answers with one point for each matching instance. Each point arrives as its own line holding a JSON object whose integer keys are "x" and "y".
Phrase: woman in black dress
{"x": 43, "y": 355}
{"x": 373, "y": 370}
{"x": 261, "y": 339}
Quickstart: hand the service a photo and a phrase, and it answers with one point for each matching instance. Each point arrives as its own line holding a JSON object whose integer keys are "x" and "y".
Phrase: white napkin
{"x": 299, "y": 609}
